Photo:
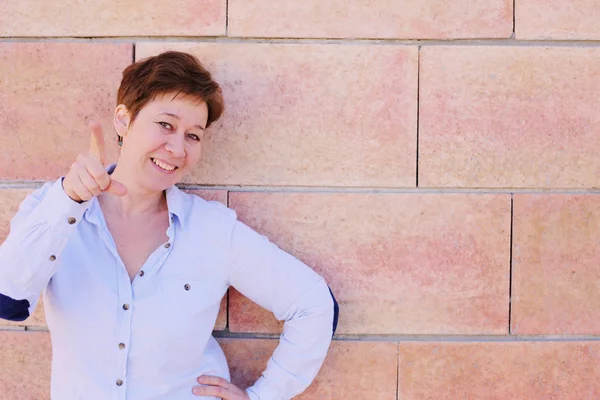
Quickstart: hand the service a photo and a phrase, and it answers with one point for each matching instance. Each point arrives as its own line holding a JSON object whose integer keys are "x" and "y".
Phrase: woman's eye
{"x": 193, "y": 137}
{"x": 166, "y": 125}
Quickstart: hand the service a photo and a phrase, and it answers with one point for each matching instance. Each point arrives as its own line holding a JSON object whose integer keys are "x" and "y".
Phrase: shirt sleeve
{"x": 295, "y": 294}
{"x": 32, "y": 251}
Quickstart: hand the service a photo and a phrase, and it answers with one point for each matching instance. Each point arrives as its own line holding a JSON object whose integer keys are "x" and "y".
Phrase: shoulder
{"x": 212, "y": 208}
{"x": 203, "y": 214}
{"x": 41, "y": 192}
{"x": 38, "y": 194}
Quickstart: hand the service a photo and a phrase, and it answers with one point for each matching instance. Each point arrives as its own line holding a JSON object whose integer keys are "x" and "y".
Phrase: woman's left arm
{"x": 295, "y": 294}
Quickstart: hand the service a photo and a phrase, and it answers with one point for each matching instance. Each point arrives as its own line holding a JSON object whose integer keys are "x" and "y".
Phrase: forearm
{"x": 302, "y": 348}
{"x": 39, "y": 232}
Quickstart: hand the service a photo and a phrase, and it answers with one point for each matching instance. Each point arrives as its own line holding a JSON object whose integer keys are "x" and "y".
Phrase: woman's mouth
{"x": 163, "y": 165}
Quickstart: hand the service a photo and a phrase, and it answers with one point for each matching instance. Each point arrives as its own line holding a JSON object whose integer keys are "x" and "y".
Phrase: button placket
{"x": 124, "y": 326}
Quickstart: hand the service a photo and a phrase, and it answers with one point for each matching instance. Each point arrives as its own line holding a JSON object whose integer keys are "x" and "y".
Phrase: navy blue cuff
{"x": 336, "y": 312}
{"x": 13, "y": 310}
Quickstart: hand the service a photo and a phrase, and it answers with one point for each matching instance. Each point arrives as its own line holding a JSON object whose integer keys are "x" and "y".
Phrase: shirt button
{"x": 142, "y": 273}
{"x": 167, "y": 245}
{"x": 187, "y": 287}
{"x": 125, "y": 307}
{"x": 71, "y": 220}
{"x": 119, "y": 382}
{"x": 121, "y": 346}
{"x": 52, "y": 257}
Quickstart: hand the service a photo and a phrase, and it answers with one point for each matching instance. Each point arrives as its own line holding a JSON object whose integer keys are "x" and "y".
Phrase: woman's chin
{"x": 154, "y": 184}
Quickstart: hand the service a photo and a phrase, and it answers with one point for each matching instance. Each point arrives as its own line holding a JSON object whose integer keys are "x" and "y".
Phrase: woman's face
{"x": 164, "y": 141}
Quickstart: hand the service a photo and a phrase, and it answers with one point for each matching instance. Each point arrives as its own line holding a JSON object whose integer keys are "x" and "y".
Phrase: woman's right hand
{"x": 87, "y": 177}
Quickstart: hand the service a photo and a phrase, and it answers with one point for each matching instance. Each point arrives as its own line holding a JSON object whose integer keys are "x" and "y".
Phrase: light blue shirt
{"x": 150, "y": 338}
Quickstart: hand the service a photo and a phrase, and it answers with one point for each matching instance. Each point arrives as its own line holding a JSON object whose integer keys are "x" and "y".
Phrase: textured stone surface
{"x": 10, "y": 199}
{"x": 509, "y": 117}
{"x": 556, "y": 276}
{"x": 499, "y": 371}
{"x": 46, "y": 100}
{"x": 309, "y": 114}
{"x": 352, "y": 370}
{"x": 210, "y": 195}
{"x": 557, "y": 19}
{"x": 371, "y": 19}
{"x": 25, "y": 359}
{"x": 397, "y": 263}
{"x": 106, "y": 18}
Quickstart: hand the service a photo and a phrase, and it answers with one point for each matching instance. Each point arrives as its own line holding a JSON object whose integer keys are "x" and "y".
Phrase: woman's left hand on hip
{"x": 219, "y": 387}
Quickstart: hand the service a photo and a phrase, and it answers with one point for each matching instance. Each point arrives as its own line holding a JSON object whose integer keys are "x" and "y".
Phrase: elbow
{"x": 336, "y": 312}
{"x": 13, "y": 310}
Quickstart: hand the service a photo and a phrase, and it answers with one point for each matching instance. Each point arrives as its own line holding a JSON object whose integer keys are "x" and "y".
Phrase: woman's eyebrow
{"x": 170, "y": 115}
{"x": 177, "y": 118}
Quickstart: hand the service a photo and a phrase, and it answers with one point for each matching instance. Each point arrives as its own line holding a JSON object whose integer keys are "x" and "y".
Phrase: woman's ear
{"x": 121, "y": 120}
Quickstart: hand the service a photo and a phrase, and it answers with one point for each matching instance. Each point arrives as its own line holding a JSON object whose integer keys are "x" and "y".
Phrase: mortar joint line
{"x": 506, "y": 42}
{"x": 418, "y": 111}
{"x": 510, "y": 263}
{"x": 227, "y": 18}
{"x": 514, "y": 30}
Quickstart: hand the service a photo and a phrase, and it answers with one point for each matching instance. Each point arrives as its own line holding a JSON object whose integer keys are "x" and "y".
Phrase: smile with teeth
{"x": 164, "y": 165}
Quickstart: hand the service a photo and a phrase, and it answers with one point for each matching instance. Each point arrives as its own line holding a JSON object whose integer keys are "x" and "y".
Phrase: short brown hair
{"x": 169, "y": 72}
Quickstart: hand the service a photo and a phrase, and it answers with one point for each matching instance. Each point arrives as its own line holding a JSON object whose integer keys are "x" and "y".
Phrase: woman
{"x": 133, "y": 270}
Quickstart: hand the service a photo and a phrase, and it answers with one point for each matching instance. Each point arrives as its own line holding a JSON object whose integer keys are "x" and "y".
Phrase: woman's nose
{"x": 175, "y": 146}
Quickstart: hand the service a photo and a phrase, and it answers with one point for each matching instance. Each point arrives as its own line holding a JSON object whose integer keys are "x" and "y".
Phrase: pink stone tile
{"x": 371, "y": 19}
{"x": 10, "y": 199}
{"x": 210, "y": 195}
{"x": 352, "y": 370}
{"x": 25, "y": 359}
{"x": 557, "y": 19}
{"x": 397, "y": 263}
{"x": 509, "y": 117}
{"x": 555, "y": 264}
{"x": 46, "y": 99}
{"x": 499, "y": 371}
{"x": 290, "y": 120}
{"x": 247, "y": 316}
{"x": 221, "y": 323}
{"x": 105, "y": 18}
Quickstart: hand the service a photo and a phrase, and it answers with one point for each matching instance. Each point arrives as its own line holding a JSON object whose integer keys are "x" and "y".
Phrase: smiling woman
{"x": 132, "y": 269}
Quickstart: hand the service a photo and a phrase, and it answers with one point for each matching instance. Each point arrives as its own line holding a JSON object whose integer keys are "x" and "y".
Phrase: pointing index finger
{"x": 97, "y": 141}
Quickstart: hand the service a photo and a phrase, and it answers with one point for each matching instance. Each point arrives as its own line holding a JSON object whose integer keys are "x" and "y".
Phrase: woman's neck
{"x": 136, "y": 202}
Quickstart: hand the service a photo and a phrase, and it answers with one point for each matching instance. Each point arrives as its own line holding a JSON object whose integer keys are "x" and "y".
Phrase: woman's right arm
{"x": 32, "y": 251}
{"x": 41, "y": 229}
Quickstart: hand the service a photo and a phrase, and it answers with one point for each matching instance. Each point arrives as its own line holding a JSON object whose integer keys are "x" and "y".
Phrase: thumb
{"x": 116, "y": 188}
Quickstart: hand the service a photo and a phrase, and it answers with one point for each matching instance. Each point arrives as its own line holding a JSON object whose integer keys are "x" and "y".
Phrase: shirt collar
{"x": 177, "y": 204}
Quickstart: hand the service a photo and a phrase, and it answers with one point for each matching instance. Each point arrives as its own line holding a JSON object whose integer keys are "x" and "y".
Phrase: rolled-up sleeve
{"x": 295, "y": 294}
{"x": 32, "y": 251}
